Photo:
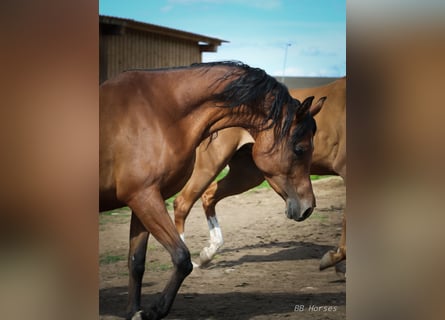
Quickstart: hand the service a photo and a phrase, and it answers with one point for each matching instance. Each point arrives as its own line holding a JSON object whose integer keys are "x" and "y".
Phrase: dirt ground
{"x": 267, "y": 268}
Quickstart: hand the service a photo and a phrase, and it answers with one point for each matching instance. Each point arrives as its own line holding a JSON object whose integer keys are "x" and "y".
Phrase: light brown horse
{"x": 233, "y": 147}
{"x": 151, "y": 123}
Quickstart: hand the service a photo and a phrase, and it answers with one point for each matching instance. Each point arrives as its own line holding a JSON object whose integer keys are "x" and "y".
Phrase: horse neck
{"x": 209, "y": 119}
{"x": 202, "y": 116}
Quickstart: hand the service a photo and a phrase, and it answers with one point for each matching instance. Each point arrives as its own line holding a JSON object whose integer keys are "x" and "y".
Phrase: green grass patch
{"x": 317, "y": 177}
{"x": 222, "y": 174}
{"x": 157, "y": 266}
{"x": 108, "y": 258}
{"x": 263, "y": 185}
{"x": 319, "y": 216}
{"x": 169, "y": 202}
{"x": 151, "y": 247}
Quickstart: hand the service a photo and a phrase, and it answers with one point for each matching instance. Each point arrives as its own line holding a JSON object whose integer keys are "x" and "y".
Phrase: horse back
{"x": 330, "y": 139}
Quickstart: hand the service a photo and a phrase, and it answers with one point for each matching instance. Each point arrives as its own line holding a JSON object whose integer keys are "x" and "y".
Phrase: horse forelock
{"x": 307, "y": 124}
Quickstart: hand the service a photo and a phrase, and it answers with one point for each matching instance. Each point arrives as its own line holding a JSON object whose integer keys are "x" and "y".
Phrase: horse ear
{"x": 306, "y": 104}
{"x": 315, "y": 108}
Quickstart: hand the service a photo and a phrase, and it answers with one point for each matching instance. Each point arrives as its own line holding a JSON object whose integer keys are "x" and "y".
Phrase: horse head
{"x": 286, "y": 161}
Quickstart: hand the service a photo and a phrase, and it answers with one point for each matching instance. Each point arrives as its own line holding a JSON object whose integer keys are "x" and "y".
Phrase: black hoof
{"x": 340, "y": 269}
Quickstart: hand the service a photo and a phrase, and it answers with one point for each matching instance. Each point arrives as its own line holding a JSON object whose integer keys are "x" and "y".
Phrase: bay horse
{"x": 233, "y": 147}
{"x": 151, "y": 122}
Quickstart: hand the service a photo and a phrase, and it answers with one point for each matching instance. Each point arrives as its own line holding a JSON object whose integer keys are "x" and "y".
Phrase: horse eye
{"x": 299, "y": 151}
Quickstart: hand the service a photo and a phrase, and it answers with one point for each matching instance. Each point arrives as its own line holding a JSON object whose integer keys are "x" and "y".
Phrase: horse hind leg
{"x": 242, "y": 176}
{"x": 153, "y": 216}
{"x": 216, "y": 238}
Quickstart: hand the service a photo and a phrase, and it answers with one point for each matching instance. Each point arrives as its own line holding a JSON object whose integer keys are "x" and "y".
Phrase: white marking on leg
{"x": 216, "y": 237}
{"x": 216, "y": 241}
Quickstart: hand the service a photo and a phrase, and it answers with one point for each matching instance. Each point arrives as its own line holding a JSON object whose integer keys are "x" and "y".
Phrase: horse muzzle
{"x": 298, "y": 211}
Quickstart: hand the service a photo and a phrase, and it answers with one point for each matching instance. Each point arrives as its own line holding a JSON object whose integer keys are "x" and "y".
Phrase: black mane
{"x": 251, "y": 88}
{"x": 254, "y": 89}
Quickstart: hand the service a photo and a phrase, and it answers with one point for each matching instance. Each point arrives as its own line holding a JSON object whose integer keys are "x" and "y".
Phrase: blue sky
{"x": 258, "y": 31}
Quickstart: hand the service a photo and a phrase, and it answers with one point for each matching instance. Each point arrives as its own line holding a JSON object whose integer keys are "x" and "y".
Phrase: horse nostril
{"x": 307, "y": 213}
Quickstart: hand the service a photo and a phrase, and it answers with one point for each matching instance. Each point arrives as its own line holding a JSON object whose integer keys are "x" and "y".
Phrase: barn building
{"x": 128, "y": 44}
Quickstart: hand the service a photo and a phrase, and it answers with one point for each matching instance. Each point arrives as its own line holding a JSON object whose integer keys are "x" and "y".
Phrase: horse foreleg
{"x": 333, "y": 257}
{"x": 150, "y": 209}
{"x": 136, "y": 264}
{"x": 242, "y": 176}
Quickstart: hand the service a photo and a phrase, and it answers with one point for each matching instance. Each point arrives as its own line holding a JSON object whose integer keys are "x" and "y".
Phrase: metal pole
{"x": 285, "y": 58}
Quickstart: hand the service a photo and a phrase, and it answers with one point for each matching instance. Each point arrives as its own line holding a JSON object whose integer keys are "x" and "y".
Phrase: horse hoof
{"x": 340, "y": 269}
{"x": 327, "y": 261}
{"x": 204, "y": 260}
{"x": 205, "y": 257}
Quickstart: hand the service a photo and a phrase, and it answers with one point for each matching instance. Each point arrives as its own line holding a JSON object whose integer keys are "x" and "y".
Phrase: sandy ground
{"x": 267, "y": 268}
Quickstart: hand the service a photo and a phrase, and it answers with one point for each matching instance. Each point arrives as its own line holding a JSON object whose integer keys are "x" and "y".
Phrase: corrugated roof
{"x": 206, "y": 43}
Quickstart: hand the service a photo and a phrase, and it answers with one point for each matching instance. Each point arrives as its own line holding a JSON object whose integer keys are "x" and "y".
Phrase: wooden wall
{"x": 135, "y": 49}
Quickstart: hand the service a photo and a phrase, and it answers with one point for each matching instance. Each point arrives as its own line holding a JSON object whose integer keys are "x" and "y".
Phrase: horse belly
{"x": 108, "y": 200}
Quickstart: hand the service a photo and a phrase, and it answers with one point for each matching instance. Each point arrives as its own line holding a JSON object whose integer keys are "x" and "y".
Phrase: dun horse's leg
{"x": 332, "y": 257}
{"x": 207, "y": 167}
{"x": 341, "y": 270}
{"x": 243, "y": 175}
{"x": 150, "y": 209}
{"x": 136, "y": 263}
{"x": 194, "y": 188}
